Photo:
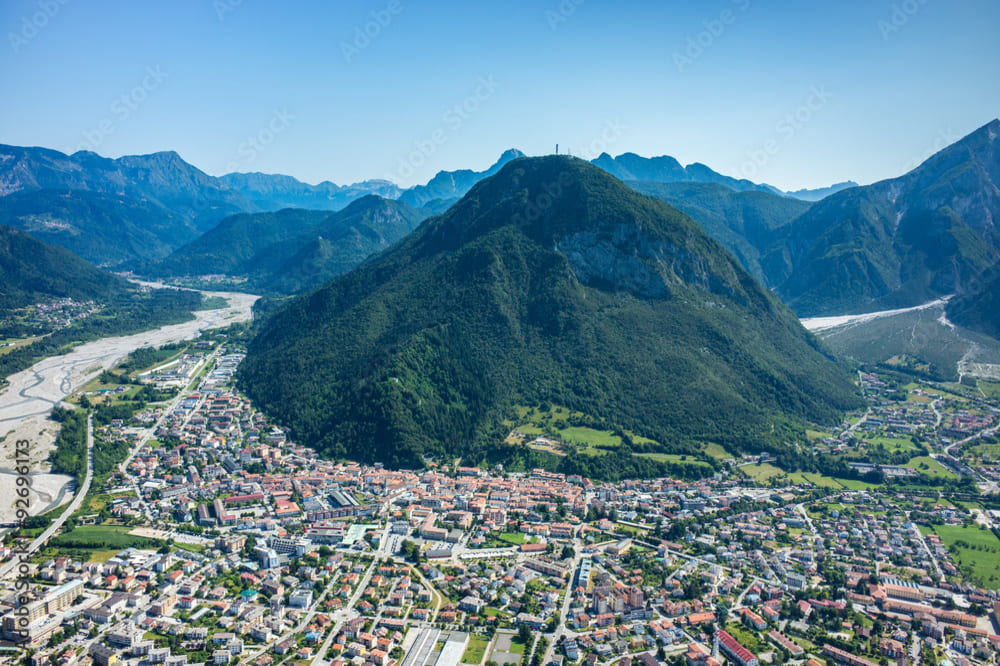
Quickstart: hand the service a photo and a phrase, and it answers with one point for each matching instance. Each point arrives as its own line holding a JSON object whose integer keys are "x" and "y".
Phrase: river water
{"x": 28, "y": 399}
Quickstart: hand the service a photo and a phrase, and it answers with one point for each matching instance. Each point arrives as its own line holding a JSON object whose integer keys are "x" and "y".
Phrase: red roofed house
{"x": 735, "y": 650}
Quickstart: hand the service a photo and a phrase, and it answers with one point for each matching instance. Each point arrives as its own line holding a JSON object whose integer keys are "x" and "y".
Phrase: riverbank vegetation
{"x": 124, "y": 314}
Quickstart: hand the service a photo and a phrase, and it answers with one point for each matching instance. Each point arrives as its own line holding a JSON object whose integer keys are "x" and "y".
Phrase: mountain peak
{"x": 505, "y": 157}
{"x": 612, "y": 237}
{"x": 549, "y": 281}
{"x": 364, "y": 202}
{"x": 510, "y": 154}
{"x": 453, "y": 184}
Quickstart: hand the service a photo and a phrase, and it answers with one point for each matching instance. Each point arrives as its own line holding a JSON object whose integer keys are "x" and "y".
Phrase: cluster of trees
{"x": 147, "y": 357}
{"x": 70, "y": 453}
{"x": 411, "y": 551}
{"x": 622, "y": 464}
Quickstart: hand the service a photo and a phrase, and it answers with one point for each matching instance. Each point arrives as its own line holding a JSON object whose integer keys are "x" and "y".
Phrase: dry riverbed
{"x": 27, "y": 401}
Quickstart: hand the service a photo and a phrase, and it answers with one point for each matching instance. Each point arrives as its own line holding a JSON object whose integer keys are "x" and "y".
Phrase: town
{"x": 216, "y": 539}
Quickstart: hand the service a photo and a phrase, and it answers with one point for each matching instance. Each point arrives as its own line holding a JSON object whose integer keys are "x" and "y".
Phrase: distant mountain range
{"x": 453, "y": 184}
{"x": 134, "y": 209}
{"x": 596, "y": 298}
{"x": 110, "y": 211}
{"x": 822, "y": 192}
{"x": 895, "y": 243}
{"x": 270, "y": 192}
{"x": 293, "y": 249}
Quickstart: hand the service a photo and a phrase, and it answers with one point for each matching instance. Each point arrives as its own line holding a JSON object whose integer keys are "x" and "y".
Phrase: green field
{"x": 674, "y": 458}
{"x": 639, "y": 439}
{"x": 713, "y": 450}
{"x": 7, "y": 346}
{"x": 984, "y": 449}
{"x": 590, "y": 437}
{"x": 816, "y": 435}
{"x": 762, "y": 472}
{"x": 534, "y": 422}
{"x": 892, "y": 444}
{"x": 475, "y": 651}
{"x": 746, "y": 637}
{"x": 852, "y": 484}
{"x": 103, "y": 537}
{"x": 991, "y": 389}
{"x": 818, "y": 480}
{"x": 927, "y": 465}
{"x": 103, "y": 555}
{"x": 630, "y": 529}
{"x": 516, "y": 646}
{"x": 976, "y": 553}
{"x": 514, "y": 538}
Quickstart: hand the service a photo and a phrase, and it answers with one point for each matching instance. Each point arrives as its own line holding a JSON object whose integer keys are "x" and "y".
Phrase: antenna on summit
{"x": 557, "y": 149}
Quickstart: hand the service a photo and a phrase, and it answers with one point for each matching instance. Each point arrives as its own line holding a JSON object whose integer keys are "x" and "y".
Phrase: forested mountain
{"x": 231, "y": 246}
{"x": 979, "y": 308}
{"x": 33, "y": 271}
{"x": 548, "y": 282}
{"x": 897, "y": 242}
{"x": 292, "y": 249}
{"x": 105, "y": 229}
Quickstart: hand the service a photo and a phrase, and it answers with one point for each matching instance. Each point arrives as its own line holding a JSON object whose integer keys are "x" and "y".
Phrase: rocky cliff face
{"x": 626, "y": 259}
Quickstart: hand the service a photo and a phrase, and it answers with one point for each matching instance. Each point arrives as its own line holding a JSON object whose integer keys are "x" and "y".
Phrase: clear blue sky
{"x": 797, "y": 94}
